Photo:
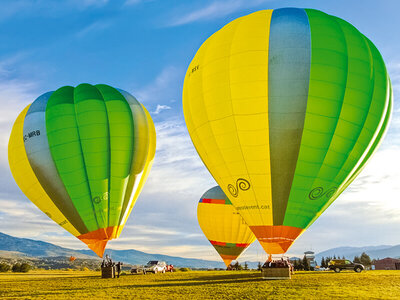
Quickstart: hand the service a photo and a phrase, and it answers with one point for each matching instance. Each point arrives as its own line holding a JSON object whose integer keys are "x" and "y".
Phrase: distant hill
{"x": 36, "y": 248}
{"x": 32, "y": 248}
{"x": 376, "y": 252}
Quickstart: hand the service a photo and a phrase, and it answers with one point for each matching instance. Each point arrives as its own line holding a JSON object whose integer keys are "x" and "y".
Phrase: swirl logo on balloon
{"x": 241, "y": 184}
{"x": 318, "y": 192}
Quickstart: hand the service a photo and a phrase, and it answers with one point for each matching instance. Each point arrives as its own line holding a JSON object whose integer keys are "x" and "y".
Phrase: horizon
{"x": 211, "y": 260}
{"x": 144, "y": 47}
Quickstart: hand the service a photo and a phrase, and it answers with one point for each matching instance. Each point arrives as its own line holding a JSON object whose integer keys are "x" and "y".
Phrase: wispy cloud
{"x": 93, "y": 28}
{"x": 160, "y": 108}
{"x": 216, "y": 9}
{"x": 10, "y": 8}
{"x": 166, "y": 87}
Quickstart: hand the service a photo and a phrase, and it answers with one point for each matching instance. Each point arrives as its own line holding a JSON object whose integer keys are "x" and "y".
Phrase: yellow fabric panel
{"x": 26, "y": 179}
{"x": 146, "y": 170}
{"x": 225, "y": 102}
{"x": 222, "y": 223}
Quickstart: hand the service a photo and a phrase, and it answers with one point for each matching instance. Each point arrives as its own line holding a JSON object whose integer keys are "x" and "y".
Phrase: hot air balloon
{"x": 82, "y": 155}
{"x": 72, "y": 258}
{"x": 222, "y": 225}
{"x": 285, "y": 107}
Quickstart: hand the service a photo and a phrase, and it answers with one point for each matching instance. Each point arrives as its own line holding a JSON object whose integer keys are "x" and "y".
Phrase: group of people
{"x": 108, "y": 262}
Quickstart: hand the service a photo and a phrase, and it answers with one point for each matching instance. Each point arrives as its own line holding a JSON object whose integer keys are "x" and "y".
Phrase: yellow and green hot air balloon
{"x": 82, "y": 155}
{"x": 222, "y": 225}
{"x": 285, "y": 107}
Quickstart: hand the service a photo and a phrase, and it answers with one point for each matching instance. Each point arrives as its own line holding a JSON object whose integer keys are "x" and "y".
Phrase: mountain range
{"x": 375, "y": 252}
{"x": 33, "y": 248}
{"x": 21, "y": 247}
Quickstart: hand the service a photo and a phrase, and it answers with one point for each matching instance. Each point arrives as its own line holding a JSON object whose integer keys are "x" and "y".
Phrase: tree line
{"x": 17, "y": 267}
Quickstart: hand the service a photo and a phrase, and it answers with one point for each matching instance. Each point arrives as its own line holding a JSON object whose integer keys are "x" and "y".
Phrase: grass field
{"x": 200, "y": 285}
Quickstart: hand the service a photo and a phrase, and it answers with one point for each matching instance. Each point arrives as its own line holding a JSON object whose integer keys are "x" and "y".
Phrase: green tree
{"x": 4, "y": 267}
{"x": 259, "y": 266}
{"x": 246, "y": 266}
{"x": 25, "y": 267}
{"x": 365, "y": 259}
{"x": 16, "y": 267}
{"x": 306, "y": 265}
{"x": 238, "y": 266}
{"x": 323, "y": 262}
{"x": 357, "y": 259}
{"x": 300, "y": 265}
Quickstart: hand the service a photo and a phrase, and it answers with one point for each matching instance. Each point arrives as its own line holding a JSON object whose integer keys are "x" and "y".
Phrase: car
{"x": 338, "y": 265}
{"x": 155, "y": 266}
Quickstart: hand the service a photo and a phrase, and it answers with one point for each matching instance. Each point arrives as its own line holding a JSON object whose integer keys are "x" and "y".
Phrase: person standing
{"x": 118, "y": 267}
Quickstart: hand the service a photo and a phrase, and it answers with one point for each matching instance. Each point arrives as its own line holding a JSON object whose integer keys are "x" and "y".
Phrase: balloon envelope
{"x": 285, "y": 107}
{"x": 222, "y": 225}
{"x": 82, "y": 156}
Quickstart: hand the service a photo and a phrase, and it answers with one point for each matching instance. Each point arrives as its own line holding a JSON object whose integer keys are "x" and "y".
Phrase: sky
{"x": 144, "y": 47}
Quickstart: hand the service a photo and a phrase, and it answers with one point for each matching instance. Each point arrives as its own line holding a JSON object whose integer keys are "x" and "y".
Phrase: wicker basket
{"x": 275, "y": 273}
{"x": 108, "y": 272}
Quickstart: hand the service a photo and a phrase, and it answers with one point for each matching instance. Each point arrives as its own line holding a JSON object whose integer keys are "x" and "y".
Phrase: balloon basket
{"x": 108, "y": 272}
{"x": 275, "y": 273}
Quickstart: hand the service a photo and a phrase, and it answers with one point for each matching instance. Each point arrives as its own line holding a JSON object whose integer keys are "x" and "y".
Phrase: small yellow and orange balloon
{"x": 72, "y": 258}
{"x": 82, "y": 155}
{"x": 222, "y": 225}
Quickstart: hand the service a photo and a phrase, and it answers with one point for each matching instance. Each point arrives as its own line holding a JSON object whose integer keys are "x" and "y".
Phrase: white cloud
{"x": 215, "y": 9}
{"x": 15, "y": 95}
{"x": 160, "y": 108}
{"x": 163, "y": 88}
{"x": 92, "y": 28}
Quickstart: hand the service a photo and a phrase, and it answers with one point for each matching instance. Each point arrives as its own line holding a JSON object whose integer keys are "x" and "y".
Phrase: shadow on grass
{"x": 233, "y": 276}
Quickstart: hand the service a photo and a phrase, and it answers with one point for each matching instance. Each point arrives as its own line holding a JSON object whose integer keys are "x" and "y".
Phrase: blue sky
{"x": 144, "y": 47}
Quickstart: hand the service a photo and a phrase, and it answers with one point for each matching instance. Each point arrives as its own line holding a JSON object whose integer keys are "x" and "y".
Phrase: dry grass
{"x": 200, "y": 285}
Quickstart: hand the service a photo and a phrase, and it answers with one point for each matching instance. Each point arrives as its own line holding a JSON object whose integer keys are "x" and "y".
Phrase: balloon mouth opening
{"x": 228, "y": 259}
{"x": 276, "y": 239}
{"x": 97, "y": 240}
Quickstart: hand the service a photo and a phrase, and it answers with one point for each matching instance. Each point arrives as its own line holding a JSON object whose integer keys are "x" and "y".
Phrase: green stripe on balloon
{"x": 92, "y": 121}
{"x": 121, "y": 148}
{"x": 328, "y": 77}
{"x": 66, "y": 151}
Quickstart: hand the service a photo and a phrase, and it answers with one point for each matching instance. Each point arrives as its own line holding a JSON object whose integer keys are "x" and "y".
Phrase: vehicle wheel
{"x": 163, "y": 271}
{"x": 155, "y": 271}
{"x": 358, "y": 270}
{"x": 144, "y": 272}
{"x": 337, "y": 270}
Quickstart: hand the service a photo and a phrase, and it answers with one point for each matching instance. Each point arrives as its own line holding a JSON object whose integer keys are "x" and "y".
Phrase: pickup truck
{"x": 153, "y": 266}
{"x": 338, "y": 265}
